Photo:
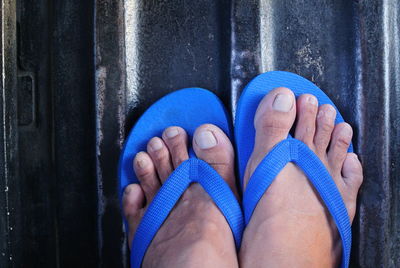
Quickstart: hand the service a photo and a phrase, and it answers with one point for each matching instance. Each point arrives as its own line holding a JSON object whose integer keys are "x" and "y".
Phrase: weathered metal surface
{"x": 81, "y": 72}
{"x": 9, "y": 186}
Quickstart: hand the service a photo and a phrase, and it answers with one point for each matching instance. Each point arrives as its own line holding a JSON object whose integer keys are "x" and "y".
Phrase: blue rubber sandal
{"x": 288, "y": 150}
{"x": 187, "y": 108}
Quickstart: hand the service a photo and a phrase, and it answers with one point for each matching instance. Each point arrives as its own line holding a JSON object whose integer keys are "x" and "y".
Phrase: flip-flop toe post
{"x": 288, "y": 150}
{"x": 188, "y": 108}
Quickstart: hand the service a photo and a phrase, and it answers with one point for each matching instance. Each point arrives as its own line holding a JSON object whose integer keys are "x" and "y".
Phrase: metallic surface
{"x": 77, "y": 74}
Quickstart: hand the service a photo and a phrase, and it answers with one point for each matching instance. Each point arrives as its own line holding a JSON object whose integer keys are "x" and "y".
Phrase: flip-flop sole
{"x": 251, "y": 97}
{"x": 288, "y": 150}
{"x": 187, "y": 108}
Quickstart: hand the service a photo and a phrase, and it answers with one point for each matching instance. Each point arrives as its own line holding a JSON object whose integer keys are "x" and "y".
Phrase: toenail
{"x": 283, "y": 103}
{"x": 354, "y": 156}
{"x": 142, "y": 163}
{"x": 127, "y": 190}
{"x": 312, "y": 100}
{"x": 205, "y": 139}
{"x": 155, "y": 145}
{"x": 347, "y": 132}
{"x": 172, "y": 132}
{"x": 330, "y": 113}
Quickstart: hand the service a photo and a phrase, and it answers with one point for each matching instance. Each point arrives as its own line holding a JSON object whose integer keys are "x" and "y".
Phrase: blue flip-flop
{"x": 288, "y": 150}
{"x": 188, "y": 108}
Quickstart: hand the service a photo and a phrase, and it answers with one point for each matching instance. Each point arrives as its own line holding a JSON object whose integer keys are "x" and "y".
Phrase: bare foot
{"x": 195, "y": 234}
{"x": 290, "y": 226}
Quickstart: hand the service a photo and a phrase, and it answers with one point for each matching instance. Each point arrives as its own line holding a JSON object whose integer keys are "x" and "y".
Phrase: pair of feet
{"x": 290, "y": 225}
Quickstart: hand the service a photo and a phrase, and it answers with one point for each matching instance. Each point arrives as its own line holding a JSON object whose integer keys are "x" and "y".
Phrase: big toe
{"x": 274, "y": 117}
{"x": 212, "y": 145}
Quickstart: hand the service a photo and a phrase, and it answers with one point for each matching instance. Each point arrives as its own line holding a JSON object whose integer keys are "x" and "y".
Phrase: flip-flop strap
{"x": 292, "y": 150}
{"x": 190, "y": 171}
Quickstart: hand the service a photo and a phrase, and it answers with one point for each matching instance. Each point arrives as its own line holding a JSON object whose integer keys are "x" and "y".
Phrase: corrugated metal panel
{"x": 79, "y": 73}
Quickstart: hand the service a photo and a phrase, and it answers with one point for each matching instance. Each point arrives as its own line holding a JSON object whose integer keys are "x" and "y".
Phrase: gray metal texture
{"x": 76, "y": 75}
